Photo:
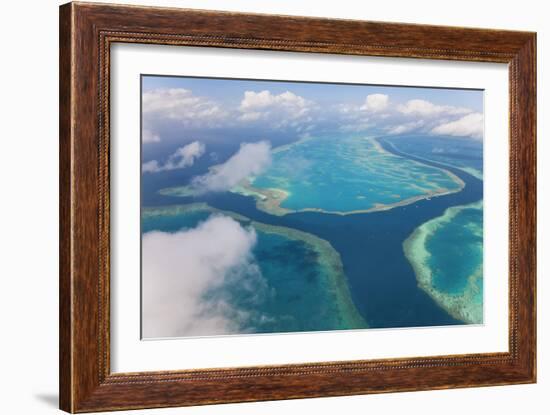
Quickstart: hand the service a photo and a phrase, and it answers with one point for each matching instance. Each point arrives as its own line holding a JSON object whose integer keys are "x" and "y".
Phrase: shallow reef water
{"x": 344, "y": 175}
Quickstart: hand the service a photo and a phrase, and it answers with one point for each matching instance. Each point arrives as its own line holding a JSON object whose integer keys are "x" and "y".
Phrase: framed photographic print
{"x": 260, "y": 207}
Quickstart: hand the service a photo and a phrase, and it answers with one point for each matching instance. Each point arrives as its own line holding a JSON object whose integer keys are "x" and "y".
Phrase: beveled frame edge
{"x": 86, "y": 33}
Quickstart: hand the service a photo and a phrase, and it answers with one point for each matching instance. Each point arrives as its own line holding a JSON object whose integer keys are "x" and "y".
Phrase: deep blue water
{"x": 382, "y": 281}
{"x": 456, "y": 151}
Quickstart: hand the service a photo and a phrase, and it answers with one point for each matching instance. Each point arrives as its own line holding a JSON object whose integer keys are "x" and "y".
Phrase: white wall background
{"x": 28, "y": 208}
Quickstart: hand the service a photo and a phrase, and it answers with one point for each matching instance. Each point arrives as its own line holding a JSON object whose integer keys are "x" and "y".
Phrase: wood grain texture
{"x": 86, "y": 33}
{"x": 65, "y": 246}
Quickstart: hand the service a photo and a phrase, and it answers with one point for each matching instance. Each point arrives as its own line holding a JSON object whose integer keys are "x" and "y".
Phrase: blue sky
{"x": 180, "y": 106}
{"x": 231, "y": 90}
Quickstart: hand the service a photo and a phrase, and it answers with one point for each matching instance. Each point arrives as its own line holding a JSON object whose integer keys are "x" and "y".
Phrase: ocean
{"x": 381, "y": 280}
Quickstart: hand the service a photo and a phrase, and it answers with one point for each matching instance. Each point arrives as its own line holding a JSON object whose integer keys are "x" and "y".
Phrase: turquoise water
{"x": 456, "y": 249}
{"x": 347, "y": 174}
{"x": 305, "y": 290}
{"x": 447, "y": 255}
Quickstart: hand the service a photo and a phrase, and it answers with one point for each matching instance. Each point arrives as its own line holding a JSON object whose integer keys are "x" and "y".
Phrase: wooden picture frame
{"x": 86, "y": 33}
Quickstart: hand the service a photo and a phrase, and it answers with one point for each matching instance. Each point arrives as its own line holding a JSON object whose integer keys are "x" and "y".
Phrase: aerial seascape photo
{"x": 274, "y": 206}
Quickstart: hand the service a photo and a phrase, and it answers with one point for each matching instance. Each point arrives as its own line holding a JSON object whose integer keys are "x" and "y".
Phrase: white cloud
{"x": 280, "y": 108}
{"x": 181, "y": 158}
{"x": 178, "y": 105}
{"x": 376, "y": 103}
{"x": 250, "y": 116}
{"x": 184, "y": 273}
{"x": 470, "y": 125}
{"x": 250, "y": 160}
{"x": 426, "y": 108}
{"x": 264, "y": 99}
{"x": 404, "y": 128}
{"x": 149, "y": 137}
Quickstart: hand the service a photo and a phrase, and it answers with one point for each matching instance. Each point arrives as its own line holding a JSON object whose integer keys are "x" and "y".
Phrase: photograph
{"x": 277, "y": 206}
